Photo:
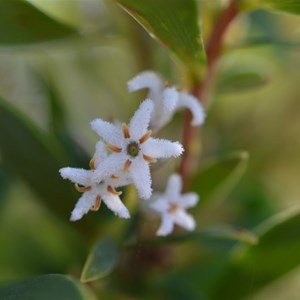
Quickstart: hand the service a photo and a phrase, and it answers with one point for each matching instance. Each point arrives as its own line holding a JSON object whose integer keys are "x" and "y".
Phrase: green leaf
{"x": 252, "y": 267}
{"x": 221, "y": 232}
{"x": 35, "y": 157}
{"x": 22, "y": 24}
{"x": 47, "y": 287}
{"x": 5, "y": 184}
{"x": 289, "y": 6}
{"x": 175, "y": 24}
{"x": 219, "y": 176}
{"x": 238, "y": 80}
{"x": 101, "y": 261}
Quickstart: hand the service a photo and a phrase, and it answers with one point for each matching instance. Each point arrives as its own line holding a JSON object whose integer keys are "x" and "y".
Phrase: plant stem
{"x": 190, "y": 133}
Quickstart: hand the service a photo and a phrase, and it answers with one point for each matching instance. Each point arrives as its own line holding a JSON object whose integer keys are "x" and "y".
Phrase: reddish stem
{"x": 190, "y": 133}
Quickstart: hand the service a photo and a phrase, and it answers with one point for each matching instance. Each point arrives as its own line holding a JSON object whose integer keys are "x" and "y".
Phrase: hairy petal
{"x": 148, "y": 80}
{"x": 110, "y": 166}
{"x": 139, "y": 123}
{"x": 188, "y": 200}
{"x": 160, "y": 205}
{"x": 141, "y": 177}
{"x": 79, "y": 176}
{"x": 100, "y": 153}
{"x": 188, "y": 101}
{"x": 115, "y": 204}
{"x": 118, "y": 179}
{"x": 166, "y": 225}
{"x": 84, "y": 204}
{"x": 170, "y": 98}
{"x": 109, "y": 132}
{"x": 184, "y": 220}
{"x": 160, "y": 148}
{"x": 174, "y": 187}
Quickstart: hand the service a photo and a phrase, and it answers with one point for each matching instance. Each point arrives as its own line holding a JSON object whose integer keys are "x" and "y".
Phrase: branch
{"x": 213, "y": 50}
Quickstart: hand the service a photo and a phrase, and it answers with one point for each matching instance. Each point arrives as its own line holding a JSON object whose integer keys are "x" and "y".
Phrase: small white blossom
{"x": 167, "y": 100}
{"x": 93, "y": 192}
{"x": 172, "y": 207}
{"x": 133, "y": 149}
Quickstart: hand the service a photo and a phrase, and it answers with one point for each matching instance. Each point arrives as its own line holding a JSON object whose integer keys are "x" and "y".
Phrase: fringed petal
{"x": 79, "y": 176}
{"x": 188, "y": 101}
{"x": 141, "y": 177}
{"x": 139, "y": 123}
{"x": 110, "y": 133}
{"x": 160, "y": 148}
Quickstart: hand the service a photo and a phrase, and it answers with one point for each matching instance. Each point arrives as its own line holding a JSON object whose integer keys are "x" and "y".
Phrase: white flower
{"x": 172, "y": 206}
{"x": 133, "y": 149}
{"x": 167, "y": 100}
{"x": 93, "y": 192}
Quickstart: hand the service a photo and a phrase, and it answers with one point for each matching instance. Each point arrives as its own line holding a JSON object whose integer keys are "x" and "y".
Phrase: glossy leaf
{"x": 175, "y": 24}
{"x": 22, "y": 24}
{"x": 47, "y": 287}
{"x": 222, "y": 232}
{"x": 219, "y": 175}
{"x": 101, "y": 261}
{"x": 252, "y": 267}
{"x": 289, "y": 6}
{"x": 34, "y": 157}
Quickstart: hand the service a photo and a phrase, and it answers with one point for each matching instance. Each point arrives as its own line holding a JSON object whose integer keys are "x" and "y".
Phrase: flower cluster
{"x": 124, "y": 154}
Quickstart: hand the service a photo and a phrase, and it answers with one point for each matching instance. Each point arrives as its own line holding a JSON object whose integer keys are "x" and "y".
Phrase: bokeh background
{"x": 249, "y": 167}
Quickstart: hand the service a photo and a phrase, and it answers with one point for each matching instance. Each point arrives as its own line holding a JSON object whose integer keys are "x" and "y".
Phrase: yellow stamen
{"x": 97, "y": 204}
{"x": 92, "y": 164}
{"x": 149, "y": 159}
{"x": 111, "y": 190}
{"x": 125, "y": 130}
{"x": 82, "y": 189}
{"x": 113, "y": 148}
{"x": 145, "y": 137}
{"x": 114, "y": 177}
{"x": 127, "y": 165}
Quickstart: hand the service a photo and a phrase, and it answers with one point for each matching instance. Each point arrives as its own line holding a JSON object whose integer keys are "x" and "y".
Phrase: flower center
{"x": 133, "y": 149}
{"x": 172, "y": 208}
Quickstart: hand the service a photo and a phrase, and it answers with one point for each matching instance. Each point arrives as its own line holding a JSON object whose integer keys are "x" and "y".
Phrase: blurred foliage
{"x": 27, "y": 25}
{"x": 63, "y": 63}
{"x": 47, "y": 287}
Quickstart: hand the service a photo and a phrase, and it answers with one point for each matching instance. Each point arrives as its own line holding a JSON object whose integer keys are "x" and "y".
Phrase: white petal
{"x": 174, "y": 187}
{"x": 188, "y": 101}
{"x": 148, "y": 80}
{"x": 160, "y": 148}
{"x": 160, "y": 205}
{"x": 184, "y": 220}
{"x": 140, "y": 121}
{"x": 84, "y": 204}
{"x": 164, "y": 109}
{"x": 119, "y": 179}
{"x": 166, "y": 225}
{"x": 79, "y": 176}
{"x": 100, "y": 153}
{"x": 170, "y": 98}
{"x": 141, "y": 177}
{"x": 188, "y": 200}
{"x": 115, "y": 204}
{"x": 110, "y": 166}
{"x": 109, "y": 132}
